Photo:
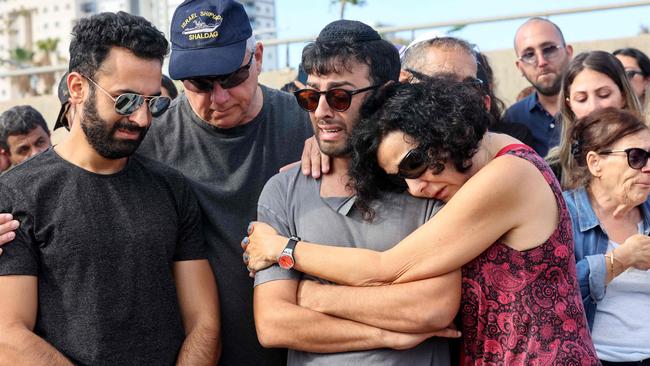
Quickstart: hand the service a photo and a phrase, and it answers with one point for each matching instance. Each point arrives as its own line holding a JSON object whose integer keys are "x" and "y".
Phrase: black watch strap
{"x": 291, "y": 244}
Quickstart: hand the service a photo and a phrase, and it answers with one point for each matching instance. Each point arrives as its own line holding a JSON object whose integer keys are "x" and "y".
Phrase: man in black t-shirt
{"x": 228, "y": 135}
{"x": 108, "y": 266}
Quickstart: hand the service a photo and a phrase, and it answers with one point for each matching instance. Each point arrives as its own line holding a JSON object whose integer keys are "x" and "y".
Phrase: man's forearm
{"x": 414, "y": 307}
{"x": 201, "y": 347}
{"x": 285, "y": 325}
{"x": 29, "y": 349}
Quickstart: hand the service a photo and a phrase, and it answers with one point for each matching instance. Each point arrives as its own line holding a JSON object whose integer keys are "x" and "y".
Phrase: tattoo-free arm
{"x": 467, "y": 225}
{"x": 281, "y": 323}
{"x": 413, "y": 307}
{"x": 199, "y": 304}
{"x": 19, "y": 304}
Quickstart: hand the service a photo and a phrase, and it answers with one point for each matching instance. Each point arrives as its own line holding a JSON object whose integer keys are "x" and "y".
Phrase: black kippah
{"x": 347, "y": 31}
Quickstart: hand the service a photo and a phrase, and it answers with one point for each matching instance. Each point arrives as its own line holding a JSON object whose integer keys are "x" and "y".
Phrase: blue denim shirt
{"x": 590, "y": 247}
{"x": 542, "y": 125}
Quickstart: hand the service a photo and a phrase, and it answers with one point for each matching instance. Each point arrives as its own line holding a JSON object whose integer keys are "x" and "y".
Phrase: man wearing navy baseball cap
{"x": 228, "y": 135}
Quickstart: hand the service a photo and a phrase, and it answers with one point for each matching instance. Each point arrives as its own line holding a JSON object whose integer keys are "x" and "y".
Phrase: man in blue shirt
{"x": 542, "y": 57}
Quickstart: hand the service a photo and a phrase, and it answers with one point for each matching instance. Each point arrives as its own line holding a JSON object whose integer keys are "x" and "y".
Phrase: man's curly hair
{"x": 93, "y": 38}
{"x": 445, "y": 118}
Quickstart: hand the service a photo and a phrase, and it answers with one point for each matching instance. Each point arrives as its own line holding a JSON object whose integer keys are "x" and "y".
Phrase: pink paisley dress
{"x": 524, "y": 308}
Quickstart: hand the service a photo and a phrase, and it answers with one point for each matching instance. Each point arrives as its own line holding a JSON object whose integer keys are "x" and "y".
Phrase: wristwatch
{"x": 285, "y": 259}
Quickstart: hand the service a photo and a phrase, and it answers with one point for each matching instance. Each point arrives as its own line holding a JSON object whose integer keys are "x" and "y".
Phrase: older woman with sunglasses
{"x": 505, "y": 223}
{"x": 611, "y": 222}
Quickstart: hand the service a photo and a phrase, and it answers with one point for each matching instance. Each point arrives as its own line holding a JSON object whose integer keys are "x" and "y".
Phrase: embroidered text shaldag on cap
{"x": 208, "y": 38}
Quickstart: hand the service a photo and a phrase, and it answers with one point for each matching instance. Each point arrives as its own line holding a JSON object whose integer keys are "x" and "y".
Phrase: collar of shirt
{"x": 587, "y": 218}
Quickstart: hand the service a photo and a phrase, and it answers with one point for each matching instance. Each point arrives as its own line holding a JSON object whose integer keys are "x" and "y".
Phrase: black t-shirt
{"x": 103, "y": 247}
{"x": 227, "y": 168}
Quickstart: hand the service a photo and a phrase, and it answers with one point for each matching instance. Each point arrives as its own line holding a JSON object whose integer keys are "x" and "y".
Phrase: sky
{"x": 300, "y": 18}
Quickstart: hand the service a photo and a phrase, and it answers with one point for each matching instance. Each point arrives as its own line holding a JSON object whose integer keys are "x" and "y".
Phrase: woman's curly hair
{"x": 445, "y": 118}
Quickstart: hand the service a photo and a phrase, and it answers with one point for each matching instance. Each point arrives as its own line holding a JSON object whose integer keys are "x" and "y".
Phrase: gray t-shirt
{"x": 291, "y": 203}
{"x": 103, "y": 247}
{"x": 227, "y": 170}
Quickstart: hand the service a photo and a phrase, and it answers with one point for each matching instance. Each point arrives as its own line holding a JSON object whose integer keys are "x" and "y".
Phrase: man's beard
{"x": 101, "y": 137}
{"x": 548, "y": 90}
{"x": 335, "y": 151}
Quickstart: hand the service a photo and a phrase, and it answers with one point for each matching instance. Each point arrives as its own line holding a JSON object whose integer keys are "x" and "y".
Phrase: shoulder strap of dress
{"x": 507, "y": 148}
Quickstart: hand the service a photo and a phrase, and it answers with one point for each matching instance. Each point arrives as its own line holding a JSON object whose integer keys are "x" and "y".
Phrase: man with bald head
{"x": 542, "y": 57}
{"x": 456, "y": 59}
{"x": 439, "y": 55}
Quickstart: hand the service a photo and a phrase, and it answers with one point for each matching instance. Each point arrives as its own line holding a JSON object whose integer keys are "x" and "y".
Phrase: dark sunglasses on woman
{"x": 338, "y": 99}
{"x": 637, "y": 157}
{"x": 205, "y": 84}
{"x": 415, "y": 163}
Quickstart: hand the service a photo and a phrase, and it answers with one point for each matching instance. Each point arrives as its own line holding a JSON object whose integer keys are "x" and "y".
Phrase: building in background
{"x": 35, "y": 35}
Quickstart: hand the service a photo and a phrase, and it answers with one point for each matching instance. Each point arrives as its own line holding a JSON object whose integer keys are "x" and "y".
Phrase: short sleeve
{"x": 191, "y": 239}
{"x": 272, "y": 210}
{"x": 19, "y": 257}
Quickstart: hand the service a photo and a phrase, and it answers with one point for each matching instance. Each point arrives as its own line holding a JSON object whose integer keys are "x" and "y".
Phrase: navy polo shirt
{"x": 544, "y": 128}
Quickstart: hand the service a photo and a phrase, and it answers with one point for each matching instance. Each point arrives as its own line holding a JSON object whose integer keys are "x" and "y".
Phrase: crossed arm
{"x": 281, "y": 322}
{"x": 413, "y": 307}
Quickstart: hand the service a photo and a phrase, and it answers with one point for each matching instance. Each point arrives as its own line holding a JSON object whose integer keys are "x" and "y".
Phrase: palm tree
{"x": 47, "y": 46}
{"x": 21, "y": 58}
{"x": 343, "y": 3}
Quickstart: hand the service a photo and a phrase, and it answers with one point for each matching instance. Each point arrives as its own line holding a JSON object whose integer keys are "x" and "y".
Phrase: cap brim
{"x": 62, "y": 120}
{"x": 185, "y": 64}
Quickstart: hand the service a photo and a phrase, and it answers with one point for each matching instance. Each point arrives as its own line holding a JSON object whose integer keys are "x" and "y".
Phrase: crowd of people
{"x": 425, "y": 223}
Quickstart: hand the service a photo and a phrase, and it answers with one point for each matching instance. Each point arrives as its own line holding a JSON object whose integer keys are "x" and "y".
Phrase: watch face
{"x": 285, "y": 261}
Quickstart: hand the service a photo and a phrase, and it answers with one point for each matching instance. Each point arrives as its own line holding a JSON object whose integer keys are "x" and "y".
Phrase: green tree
{"x": 47, "y": 47}
{"x": 21, "y": 58}
{"x": 343, "y": 4}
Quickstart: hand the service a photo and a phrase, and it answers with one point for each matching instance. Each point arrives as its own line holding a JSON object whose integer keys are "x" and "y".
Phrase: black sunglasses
{"x": 630, "y": 74}
{"x": 415, "y": 163}
{"x": 205, "y": 84}
{"x": 127, "y": 103}
{"x": 337, "y": 98}
{"x": 637, "y": 157}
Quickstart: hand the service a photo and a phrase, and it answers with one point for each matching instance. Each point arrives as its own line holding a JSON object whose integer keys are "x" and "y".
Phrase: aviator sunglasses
{"x": 127, "y": 103}
{"x": 637, "y": 158}
{"x": 205, "y": 84}
{"x": 338, "y": 99}
{"x": 549, "y": 52}
{"x": 415, "y": 163}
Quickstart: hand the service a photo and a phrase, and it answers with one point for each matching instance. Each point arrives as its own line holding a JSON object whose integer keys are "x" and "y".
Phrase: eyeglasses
{"x": 630, "y": 74}
{"x": 550, "y": 53}
{"x": 206, "y": 84}
{"x": 127, "y": 103}
{"x": 416, "y": 75}
{"x": 415, "y": 163}
{"x": 637, "y": 157}
{"x": 337, "y": 98}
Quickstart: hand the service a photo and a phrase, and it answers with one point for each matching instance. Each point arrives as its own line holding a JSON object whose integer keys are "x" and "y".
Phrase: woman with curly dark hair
{"x": 505, "y": 223}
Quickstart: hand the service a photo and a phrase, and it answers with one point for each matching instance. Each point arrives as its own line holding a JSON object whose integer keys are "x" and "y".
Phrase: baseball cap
{"x": 208, "y": 38}
{"x": 64, "y": 95}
